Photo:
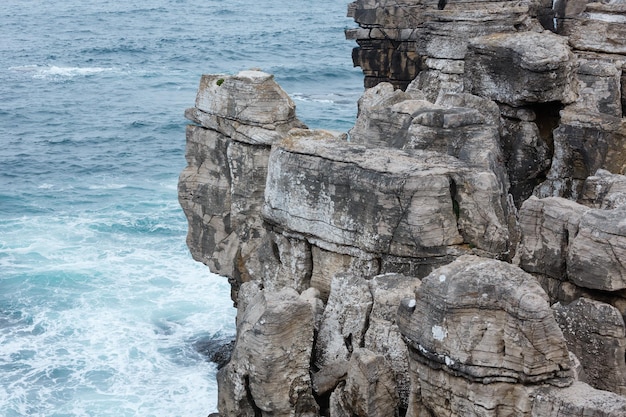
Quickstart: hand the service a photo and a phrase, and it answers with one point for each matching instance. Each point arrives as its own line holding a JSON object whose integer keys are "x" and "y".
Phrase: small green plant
{"x": 220, "y": 82}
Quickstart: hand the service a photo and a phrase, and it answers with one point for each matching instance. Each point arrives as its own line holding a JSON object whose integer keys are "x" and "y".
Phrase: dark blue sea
{"x": 101, "y": 305}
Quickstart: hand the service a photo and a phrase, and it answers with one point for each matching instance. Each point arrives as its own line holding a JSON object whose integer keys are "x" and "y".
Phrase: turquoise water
{"x": 100, "y": 302}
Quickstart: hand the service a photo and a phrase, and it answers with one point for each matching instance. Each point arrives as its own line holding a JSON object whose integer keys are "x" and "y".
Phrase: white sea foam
{"x": 312, "y": 98}
{"x": 112, "y": 186}
{"x": 43, "y": 72}
{"x": 70, "y": 72}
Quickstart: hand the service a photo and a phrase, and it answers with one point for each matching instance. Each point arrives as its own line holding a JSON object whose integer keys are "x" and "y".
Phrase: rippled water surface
{"x": 100, "y": 302}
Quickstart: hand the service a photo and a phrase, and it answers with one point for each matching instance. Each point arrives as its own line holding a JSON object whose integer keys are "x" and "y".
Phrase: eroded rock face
{"x": 383, "y": 200}
{"x": 520, "y": 68}
{"x": 568, "y": 241}
{"x": 314, "y": 228}
{"x": 221, "y": 189}
{"x": 268, "y": 373}
{"x": 487, "y": 321}
{"x": 481, "y": 335}
{"x": 596, "y": 330}
{"x": 577, "y": 400}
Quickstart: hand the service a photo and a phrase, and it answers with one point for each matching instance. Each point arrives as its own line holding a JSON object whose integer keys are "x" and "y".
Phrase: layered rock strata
{"x": 461, "y": 251}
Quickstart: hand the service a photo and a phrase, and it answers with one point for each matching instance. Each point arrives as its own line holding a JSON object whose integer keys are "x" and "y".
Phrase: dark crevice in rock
{"x": 257, "y": 411}
{"x": 348, "y": 342}
{"x": 323, "y": 401}
{"x": 547, "y": 119}
{"x": 455, "y": 202}
{"x": 276, "y": 251}
{"x": 623, "y": 88}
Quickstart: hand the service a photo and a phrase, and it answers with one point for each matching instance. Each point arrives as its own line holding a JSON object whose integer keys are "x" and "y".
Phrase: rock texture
{"x": 461, "y": 251}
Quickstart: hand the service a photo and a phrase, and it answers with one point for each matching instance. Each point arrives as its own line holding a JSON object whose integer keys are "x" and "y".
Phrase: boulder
{"x": 520, "y": 68}
{"x": 249, "y": 107}
{"x": 383, "y": 336}
{"x": 481, "y": 336}
{"x": 487, "y": 321}
{"x": 604, "y": 190}
{"x": 345, "y": 320}
{"x": 547, "y": 228}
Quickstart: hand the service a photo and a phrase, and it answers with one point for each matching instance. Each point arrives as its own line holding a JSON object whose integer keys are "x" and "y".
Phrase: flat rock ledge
{"x": 461, "y": 251}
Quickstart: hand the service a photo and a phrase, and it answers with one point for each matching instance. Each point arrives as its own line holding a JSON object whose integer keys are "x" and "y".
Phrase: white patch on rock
{"x": 412, "y": 304}
{"x": 449, "y": 361}
{"x": 442, "y": 278}
{"x": 439, "y": 333}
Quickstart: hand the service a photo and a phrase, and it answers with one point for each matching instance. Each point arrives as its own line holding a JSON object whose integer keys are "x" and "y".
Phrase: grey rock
{"x": 345, "y": 319}
{"x": 595, "y": 333}
{"x": 204, "y": 194}
{"x": 604, "y": 190}
{"x": 487, "y": 321}
{"x": 519, "y": 68}
{"x": 269, "y": 370}
{"x": 547, "y": 227}
{"x": 600, "y": 28}
{"x": 327, "y": 264}
{"x": 382, "y": 200}
{"x": 577, "y": 400}
{"x": 596, "y": 256}
{"x": 370, "y": 389}
{"x": 583, "y": 143}
{"x": 383, "y": 336}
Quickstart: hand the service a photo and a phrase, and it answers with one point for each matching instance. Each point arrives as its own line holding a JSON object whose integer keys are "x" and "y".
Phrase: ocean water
{"x": 100, "y": 303}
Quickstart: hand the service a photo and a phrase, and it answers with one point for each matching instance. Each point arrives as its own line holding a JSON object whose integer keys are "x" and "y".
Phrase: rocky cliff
{"x": 460, "y": 252}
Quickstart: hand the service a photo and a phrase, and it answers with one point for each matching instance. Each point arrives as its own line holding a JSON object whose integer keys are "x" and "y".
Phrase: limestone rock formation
{"x": 408, "y": 267}
{"x": 269, "y": 369}
{"x": 487, "y": 321}
{"x": 593, "y": 329}
{"x": 520, "y": 68}
{"x": 221, "y": 189}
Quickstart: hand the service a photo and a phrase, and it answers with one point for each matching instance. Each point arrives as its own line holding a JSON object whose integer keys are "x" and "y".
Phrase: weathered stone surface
{"x": 519, "y": 68}
{"x": 595, "y": 330}
{"x": 487, "y": 321}
{"x": 251, "y": 97}
{"x": 444, "y": 394}
{"x": 604, "y": 190}
{"x": 599, "y": 85}
{"x": 398, "y": 39}
{"x": 370, "y": 389}
{"x": 281, "y": 261}
{"x": 601, "y": 27}
{"x": 547, "y": 227}
{"x": 204, "y": 194}
{"x": 529, "y": 156}
{"x": 459, "y": 124}
{"x": 596, "y": 257}
{"x": 577, "y": 400}
{"x": 344, "y": 322}
{"x": 268, "y": 373}
{"x": 327, "y": 264}
{"x": 584, "y": 143}
{"x": 383, "y": 336}
{"x": 382, "y": 200}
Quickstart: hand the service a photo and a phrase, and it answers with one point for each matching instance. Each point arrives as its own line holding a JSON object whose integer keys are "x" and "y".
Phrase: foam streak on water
{"x": 100, "y": 302}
